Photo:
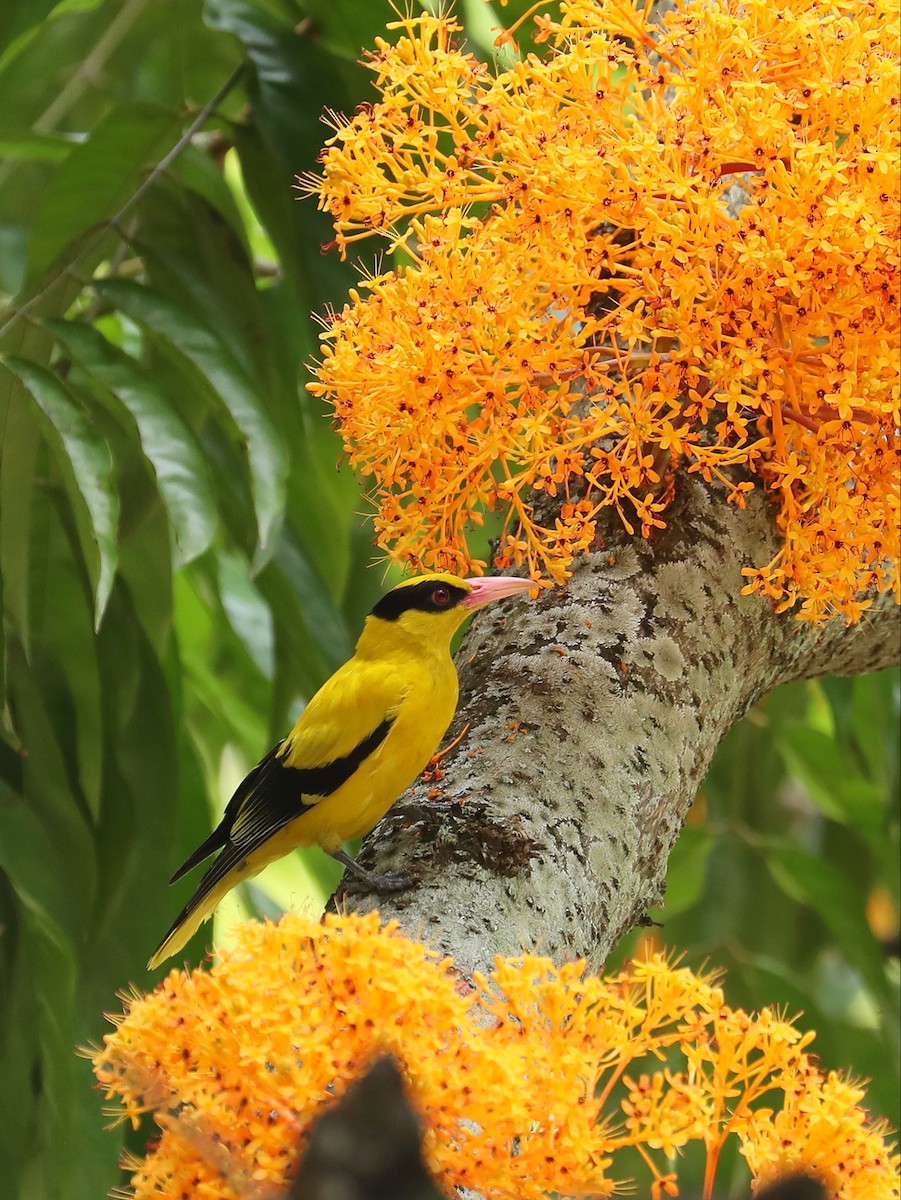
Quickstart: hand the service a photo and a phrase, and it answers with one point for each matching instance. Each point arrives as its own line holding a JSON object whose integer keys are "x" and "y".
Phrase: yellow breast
{"x": 418, "y": 693}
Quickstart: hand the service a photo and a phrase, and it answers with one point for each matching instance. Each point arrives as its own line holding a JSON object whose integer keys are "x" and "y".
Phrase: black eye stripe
{"x": 421, "y": 596}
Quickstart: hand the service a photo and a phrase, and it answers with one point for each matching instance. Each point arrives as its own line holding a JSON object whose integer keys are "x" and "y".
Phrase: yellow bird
{"x": 363, "y": 738}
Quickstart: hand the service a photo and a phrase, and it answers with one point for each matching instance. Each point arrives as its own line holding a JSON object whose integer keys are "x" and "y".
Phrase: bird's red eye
{"x": 441, "y": 597}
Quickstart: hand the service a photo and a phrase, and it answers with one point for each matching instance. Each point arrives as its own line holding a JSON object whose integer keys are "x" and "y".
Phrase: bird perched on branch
{"x": 361, "y": 740}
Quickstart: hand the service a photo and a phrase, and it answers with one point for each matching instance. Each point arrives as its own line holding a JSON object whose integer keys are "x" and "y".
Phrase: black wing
{"x": 269, "y": 797}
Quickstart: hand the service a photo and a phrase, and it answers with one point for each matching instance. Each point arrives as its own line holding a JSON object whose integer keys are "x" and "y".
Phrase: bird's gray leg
{"x": 378, "y": 883}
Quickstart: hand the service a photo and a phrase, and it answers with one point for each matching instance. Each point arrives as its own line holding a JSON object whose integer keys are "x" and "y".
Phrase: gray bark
{"x": 593, "y": 715}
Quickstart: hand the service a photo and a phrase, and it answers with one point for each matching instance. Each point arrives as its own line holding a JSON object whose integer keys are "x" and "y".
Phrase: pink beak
{"x": 494, "y": 587}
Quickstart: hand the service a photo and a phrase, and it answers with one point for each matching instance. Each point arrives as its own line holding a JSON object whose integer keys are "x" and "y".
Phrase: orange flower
{"x": 532, "y": 1081}
{"x": 823, "y": 1131}
{"x": 577, "y": 311}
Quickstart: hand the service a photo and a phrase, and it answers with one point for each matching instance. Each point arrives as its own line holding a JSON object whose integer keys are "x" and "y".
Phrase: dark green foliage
{"x": 175, "y": 543}
{"x": 181, "y": 563}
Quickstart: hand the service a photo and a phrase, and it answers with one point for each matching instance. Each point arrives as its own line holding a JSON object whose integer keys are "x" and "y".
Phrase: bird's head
{"x": 433, "y": 607}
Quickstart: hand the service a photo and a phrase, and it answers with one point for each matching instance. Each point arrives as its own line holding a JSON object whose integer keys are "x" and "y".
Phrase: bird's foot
{"x": 358, "y": 879}
{"x": 395, "y": 882}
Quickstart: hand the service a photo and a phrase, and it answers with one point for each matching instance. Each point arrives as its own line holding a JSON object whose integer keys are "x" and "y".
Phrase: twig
{"x": 113, "y": 221}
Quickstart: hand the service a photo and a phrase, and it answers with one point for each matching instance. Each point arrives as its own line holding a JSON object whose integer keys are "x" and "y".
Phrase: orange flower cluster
{"x": 579, "y": 309}
{"x": 534, "y": 1082}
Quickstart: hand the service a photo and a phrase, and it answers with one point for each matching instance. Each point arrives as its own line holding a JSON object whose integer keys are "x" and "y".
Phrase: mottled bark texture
{"x": 593, "y": 715}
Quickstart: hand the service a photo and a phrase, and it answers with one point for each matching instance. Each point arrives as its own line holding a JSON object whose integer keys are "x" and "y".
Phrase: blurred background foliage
{"x": 182, "y": 561}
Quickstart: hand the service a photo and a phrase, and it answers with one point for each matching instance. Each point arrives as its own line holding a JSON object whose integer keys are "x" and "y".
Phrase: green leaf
{"x": 262, "y": 248}
{"x": 58, "y": 890}
{"x": 96, "y": 178}
{"x": 273, "y": 200}
{"x": 64, "y": 664}
{"x": 86, "y": 462}
{"x": 247, "y": 611}
{"x": 19, "y": 1048}
{"x": 145, "y": 561}
{"x": 293, "y": 75}
{"x": 267, "y": 457}
{"x": 824, "y": 887}
{"x": 66, "y": 8}
{"x": 200, "y": 172}
{"x": 875, "y": 727}
{"x": 321, "y": 614}
{"x": 686, "y": 873}
{"x": 32, "y": 147}
{"x": 36, "y": 866}
{"x": 191, "y": 256}
{"x": 833, "y": 779}
{"x": 39, "y": 26}
{"x": 136, "y": 831}
{"x": 19, "y": 439}
{"x": 483, "y": 24}
{"x": 214, "y": 661}
{"x": 345, "y": 27}
{"x": 168, "y": 445}
{"x": 53, "y": 965}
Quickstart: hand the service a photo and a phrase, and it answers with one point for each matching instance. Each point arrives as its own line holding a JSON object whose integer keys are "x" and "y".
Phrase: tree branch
{"x": 594, "y": 715}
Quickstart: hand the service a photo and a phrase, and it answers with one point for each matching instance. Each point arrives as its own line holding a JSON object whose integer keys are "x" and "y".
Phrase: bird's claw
{"x": 396, "y": 881}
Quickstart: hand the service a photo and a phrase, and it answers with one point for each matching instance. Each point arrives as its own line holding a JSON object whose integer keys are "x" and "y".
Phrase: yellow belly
{"x": 359, "y": 804}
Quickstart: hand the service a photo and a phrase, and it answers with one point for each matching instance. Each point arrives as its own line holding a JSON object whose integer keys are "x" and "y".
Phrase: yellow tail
{"x": 198, "y": 909}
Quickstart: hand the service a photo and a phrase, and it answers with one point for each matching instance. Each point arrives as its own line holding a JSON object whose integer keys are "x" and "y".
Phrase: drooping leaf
{"x": 265, "y": 451}
{"x": 31, "y": 18}
{"x": 136, "y": 831}
{"x": 20, "y": 1044}
{"x": 145, "y": 560}
{"x": 875, "y": 730}
{"x": 344, "y": 27}
{"x": 86, "y": 462}
{"x": 832, "y": 777}
{"x": 64, "y": 662}
{"x": 250, "y": 616}
{"x": 19, "y": 439}
{"x": 203, "y": 174}
{"x": 192, "y": 257}
{"x": 35, "y": 864}
{"x": 685, "y": 876}
{"x": 229, "y": 693}
{"x": 169, "y": 446}
{"x": 51, "y": 799}
{"x": 96, "y": 178}
{"x": 30, "y": 147}
{"x": 823, "y": 886}
{"x": 293, "y": 75}
{"x": 320, "y": 612}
